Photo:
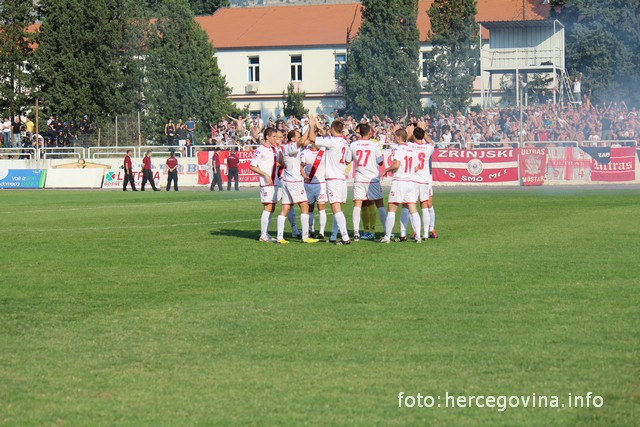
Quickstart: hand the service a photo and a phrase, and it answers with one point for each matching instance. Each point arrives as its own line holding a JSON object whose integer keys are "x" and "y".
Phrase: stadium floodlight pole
{"x": 524, "y": 85}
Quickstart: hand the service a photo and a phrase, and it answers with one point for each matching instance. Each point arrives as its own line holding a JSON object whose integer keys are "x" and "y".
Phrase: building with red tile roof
{"x": 262, "y": 49}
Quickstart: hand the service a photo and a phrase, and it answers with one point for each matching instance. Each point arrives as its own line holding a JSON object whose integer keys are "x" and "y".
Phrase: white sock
{"x": 404, "y": 221}
{"x": 304, "y": 220}
{"x": 264, "y": 223}
{"x": 342, "y": 225}
{"x": 323, "y": 221}
{"x": 415, "y": 223}
{"x": 356, "y": 219}
{"x": 312, "y": 227}
{"x": 382, "y": 213}
{"x": 425, "y": 222}
{"x": 432, "y": 218}
{"x": 388, "y": 226}
{"x": 334, "y": 229}
{"x": 280, "y": 232}
{"x": 292, "y": 219}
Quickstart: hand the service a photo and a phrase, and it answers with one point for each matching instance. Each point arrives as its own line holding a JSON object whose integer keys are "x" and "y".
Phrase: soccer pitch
{"x": 164, "y": 309}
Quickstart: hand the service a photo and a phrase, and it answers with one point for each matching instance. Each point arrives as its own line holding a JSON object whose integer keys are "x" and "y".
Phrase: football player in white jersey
{"x": 291, "y": 216}
{"x": 264, "y": 163}
{"x": 336, "y": 148}
{"x": 315, "y": 185}
{"x": 403, "y": 190}
{"x": 423, "y": 146}
{"x": 293, "y": 191}
{"x": 366, "y": 156}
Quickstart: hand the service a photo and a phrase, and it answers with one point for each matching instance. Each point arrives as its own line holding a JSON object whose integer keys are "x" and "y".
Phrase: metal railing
{"x": 96, "y": 152}
{"x": 29, "y": 153}
{"x": 62, "y": 152}
{"x": 548, "y": 143}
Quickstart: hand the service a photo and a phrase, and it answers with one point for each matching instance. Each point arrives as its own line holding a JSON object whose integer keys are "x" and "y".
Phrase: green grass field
{"x": 163, "y": 309}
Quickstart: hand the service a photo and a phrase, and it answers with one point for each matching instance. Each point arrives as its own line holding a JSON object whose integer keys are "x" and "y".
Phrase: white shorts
{"x": 424, "y": 192}
{"x": 369, "y": 191}
{"x": 337, "y": 191}
{"x": 270, "y": 194}
{"x": 293, "y": 192}
{"x": 402, "y": 192}
{"x": 316, "y": 193}
{"x": 182, "y": 142}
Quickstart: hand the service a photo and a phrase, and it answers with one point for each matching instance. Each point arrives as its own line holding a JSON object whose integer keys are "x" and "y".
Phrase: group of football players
{"x": 309, "y": 169}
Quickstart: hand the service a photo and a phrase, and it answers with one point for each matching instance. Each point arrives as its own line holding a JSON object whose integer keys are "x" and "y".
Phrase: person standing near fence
{"x": 6, "y": 132}
{"x": 147, "y": 175}
{"x": 128, "y": 172}
{"x": 16, "y": 128}
{"x": 215, "y": 167}
{"x": 191, "y": 133}
{"x": 232, "y": 169}
{"x": 172, "y": 171}
{"x": 170, "y": 131}
{"x": 85, "y": 130}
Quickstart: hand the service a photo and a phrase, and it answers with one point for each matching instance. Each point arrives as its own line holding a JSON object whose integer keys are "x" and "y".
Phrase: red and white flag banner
{"x": 483, "y": 166}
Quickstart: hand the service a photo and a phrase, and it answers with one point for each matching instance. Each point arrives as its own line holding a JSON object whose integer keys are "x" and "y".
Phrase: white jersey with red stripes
{"x": 313, "y": 160}
{"x": 423, "y": 151}
{"x": 408, "y": 161}
{"x": 264, "y": 158}
{"x": 336, "y": 149}
{"x": 365, "y": 156}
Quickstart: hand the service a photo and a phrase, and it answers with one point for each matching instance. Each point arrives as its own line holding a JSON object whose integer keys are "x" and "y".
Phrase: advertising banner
{"x": 612, "y": 164}
{"x": 74, "y": 178}
{"x": 483, "y": 166}
{"x": 22, "y": 178}
{"x": 533, "y": 165}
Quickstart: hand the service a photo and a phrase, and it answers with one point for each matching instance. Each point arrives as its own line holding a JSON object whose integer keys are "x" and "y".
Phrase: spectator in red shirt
{"x": 215, "y": 166}
{"x": 147, "y": 175}
{"x": 232, "y": 169}
{"x": 128, "y": 172}
{"x": 172, "y": 171}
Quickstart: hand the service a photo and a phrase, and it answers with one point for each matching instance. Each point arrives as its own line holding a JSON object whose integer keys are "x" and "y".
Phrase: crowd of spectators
{"x": 584, "y": 124}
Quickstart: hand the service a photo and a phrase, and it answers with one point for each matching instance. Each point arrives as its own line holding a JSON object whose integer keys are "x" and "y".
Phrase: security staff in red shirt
{"x": 172, "y": 171}
{"x": 128, "y": 172}
{"x": 147, "y": 175}
{"x": 215, "y": 167}
{"x": 232, "y": 169}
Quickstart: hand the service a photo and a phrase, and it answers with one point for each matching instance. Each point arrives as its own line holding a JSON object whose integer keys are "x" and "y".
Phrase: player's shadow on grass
{"x": 242, "y": 234}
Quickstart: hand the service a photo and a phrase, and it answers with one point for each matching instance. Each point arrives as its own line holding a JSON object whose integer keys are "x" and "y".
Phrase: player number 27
{"x": 363, "y": 157}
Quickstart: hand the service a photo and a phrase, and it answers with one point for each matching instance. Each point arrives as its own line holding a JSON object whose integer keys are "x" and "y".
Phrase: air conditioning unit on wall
{"x": 251, "y": 88}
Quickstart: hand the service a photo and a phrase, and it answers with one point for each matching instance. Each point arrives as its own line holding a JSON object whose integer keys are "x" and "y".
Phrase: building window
{"x": 254, "y": 69}
{"x": 339, "y": 62}
{"x": 425, "y": 71}
{"x": 296, "y": 68}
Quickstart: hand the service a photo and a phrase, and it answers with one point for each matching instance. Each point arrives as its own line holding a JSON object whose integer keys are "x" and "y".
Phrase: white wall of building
{"x": 318, "y": 64}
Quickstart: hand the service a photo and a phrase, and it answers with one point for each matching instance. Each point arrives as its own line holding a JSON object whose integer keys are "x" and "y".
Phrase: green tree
{"x": 182, "y": 73}
{"x": 452, "y": 64}
{"x": 381, "y": 74}
{"x": 603, "y": 43}
{"x": 86, "y": 60}
{"x": 293, "y": 102}
{"x": 199, "y": 7}
{"x": 16, "y": 51}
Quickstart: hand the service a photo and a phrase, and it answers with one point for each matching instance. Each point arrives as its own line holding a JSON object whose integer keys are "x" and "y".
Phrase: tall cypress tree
{"x": 381, "y": 74}
{"x": 453, "y": 62}
{"x": 603, "y": 43}
{"x": 183, "y": 75}
{"x": 16, "y": 50}
{"x": 85, "y": 61}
